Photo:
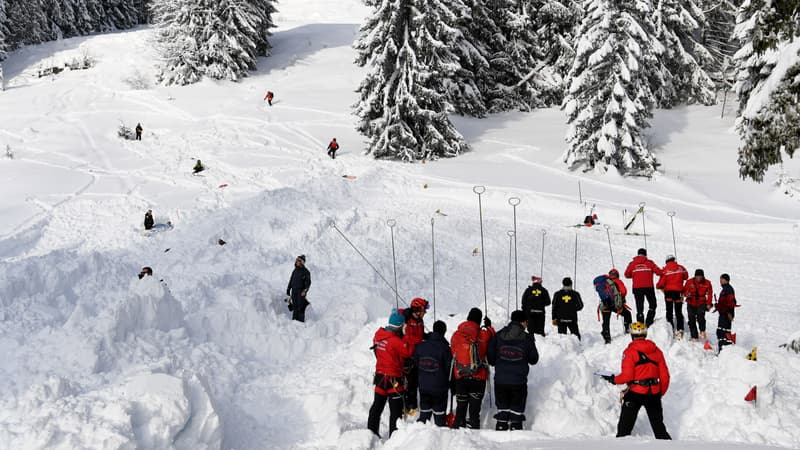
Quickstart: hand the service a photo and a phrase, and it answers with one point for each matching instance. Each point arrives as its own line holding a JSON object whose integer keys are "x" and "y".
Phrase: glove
{"x": 555, "y": 322}
{"x": 609, "y": 378}
{"x": 487, "y": 322}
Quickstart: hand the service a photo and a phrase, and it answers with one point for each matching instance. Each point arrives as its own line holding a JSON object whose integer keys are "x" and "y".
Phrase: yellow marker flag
{"x": 753, "y": 356}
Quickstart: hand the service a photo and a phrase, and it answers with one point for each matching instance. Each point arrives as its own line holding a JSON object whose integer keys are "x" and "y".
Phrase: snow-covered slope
{"x": 95, "y": 358}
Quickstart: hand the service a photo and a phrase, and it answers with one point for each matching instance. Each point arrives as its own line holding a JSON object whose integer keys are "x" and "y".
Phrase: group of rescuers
{"x": 411, "y": 361}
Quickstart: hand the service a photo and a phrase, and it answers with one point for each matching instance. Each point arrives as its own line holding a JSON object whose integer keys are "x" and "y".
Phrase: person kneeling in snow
{"x": 645, "y": 372}
{"x": 198, "y": 167}
{"x": 391, "y": 349}
{"x": 432, "y": 359}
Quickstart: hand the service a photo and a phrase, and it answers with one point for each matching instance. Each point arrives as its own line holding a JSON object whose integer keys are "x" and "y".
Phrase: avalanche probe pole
{"x": 480, "y": 190}
{"x": 433, "y": 265}
{"x": 671, "y": 215}
{"x": 541, "y": 267}
{"x": 575, "y": 263}
{"x": 644, "y": 229}
{"x": 514, "y": 201}
{"x": 510, "y": 249}
{"x": 611, "y": 252}
{"x": 391, "y": 223}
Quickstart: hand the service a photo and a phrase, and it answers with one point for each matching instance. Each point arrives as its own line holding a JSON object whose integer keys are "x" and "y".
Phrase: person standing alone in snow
{"x": 672, "y": 279}
{"x": 726, "y": 307}
{"x": 534, "y": 300}
{"x": 566, "y": 304}
{"x": 138, "y": 131}
{"x": 148, "y": 220}
{"x": 697, "y": 292}
{"x": 299, "y": 283}
{"x": 391, "y": 350}
{"x": 433, "y": 359}
{"x": 332, "y": 147}
{"x": 641, "y": 270}
{"x": 268, "y": 97}
{"x": 511, "y": 351}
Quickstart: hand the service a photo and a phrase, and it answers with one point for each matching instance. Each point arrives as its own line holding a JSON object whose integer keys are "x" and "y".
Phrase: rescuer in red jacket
{"x": 671, "y": 283}
{"x": 697, "y": 293}
{"x": 391, "y": 350}
{"x": 641, "y": 270}
{"x": 645, "y": 372}
{"x": 414, "y": 334}
{"x": 470, "y": 367}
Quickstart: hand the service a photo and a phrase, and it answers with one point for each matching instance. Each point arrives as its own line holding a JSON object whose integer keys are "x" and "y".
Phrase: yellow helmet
{"x": 638, "y": 329}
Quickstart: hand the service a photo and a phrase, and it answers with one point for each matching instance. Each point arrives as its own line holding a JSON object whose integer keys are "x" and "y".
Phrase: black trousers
{"x": 724, "y": 326}
{"x": 536, "y": 323}
{"x": 433, "y": 404}
{"x": 469, "y": 395}
{"x": 672, "y": 303}
{"x": 412, "y": 383}
{"x": 332, "y": 153}
{"x": 626, "y": 322}
{"x": 299, "y": 308}
{"x": 510, "y": 400}
{"x": 639, "y": 294}
{"x": 376, "y": 410}
{"x": 571, "y": 326}
{"x": 697, "y": 318}
{"x": 631, "y": 403}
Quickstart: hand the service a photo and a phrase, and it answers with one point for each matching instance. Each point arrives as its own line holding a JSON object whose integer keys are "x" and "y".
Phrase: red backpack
{"x": 466, "y": 361}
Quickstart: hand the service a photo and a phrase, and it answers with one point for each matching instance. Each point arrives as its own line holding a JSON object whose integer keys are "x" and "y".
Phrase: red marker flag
{"x": 751, "y": 396}
{"x": 707, "y": 346}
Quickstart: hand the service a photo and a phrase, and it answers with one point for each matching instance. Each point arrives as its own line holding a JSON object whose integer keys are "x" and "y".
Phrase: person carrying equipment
{"x": 612, "y": 292}
{"x": 468, "y": 345}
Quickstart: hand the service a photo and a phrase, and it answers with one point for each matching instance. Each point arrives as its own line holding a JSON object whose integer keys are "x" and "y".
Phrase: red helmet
{"x": 613, "y": 273}
{"x": 420, "y": 303}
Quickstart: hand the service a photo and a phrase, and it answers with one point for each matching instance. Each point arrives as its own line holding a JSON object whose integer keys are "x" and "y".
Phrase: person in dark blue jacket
{"x": 511, "y": 351}
{"x": 297, "y": 289}
{"x": 433, "y": 360}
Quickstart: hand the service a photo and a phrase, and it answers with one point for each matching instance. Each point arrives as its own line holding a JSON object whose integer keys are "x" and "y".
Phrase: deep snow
{"x": 95, "y": 358}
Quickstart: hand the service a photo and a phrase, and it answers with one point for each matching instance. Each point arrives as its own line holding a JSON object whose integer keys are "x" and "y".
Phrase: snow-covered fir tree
{"x": 679, "y": 26}
{"x": 609, "y": 98}
{"x": 718, "y": 38}
{"x": 400, "y": 110}
{"x": 219, "y": 39}
{"x": 3, "y": 32}
{"x": 556, "y": 23}
{"x": 767, "y": 84}
{"x": 473, "y": 76}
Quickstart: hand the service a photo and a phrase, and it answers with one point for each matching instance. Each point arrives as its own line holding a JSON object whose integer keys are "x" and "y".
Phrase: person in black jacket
{"x": 433, "y": 360}
{"x": 534, "y": 300}
{"x": 510, "y": 351}
{"x": 299, "y": 283}
{"x": 566, "y": 304}
{"x": 148, "y": 220}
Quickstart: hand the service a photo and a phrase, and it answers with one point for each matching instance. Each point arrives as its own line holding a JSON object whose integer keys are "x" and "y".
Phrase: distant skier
{"x": 148, "y": 220}
{"x": 671, "y": 282}
{"x": 511, "y": 351}
{"x": 697, "y": 293}
{"x": 566, "y": 304}
{"x": 138, "y": 131}
{"x": 645, "y": 372}
{"x": 332, "y": 147}
{"x": 299, "y": 283}
{"x": 390, "y": 351}
{"x": 268, "y": 97}
{"x": 146, "y": 271}
{"x": 534, "y": 300}
{"x": 612, "y": 293}
{"x": 469, "y": 344}
{"x": 432, "y": 358}
{"x": 198, "y": 167}
{"x": 726, "y": 307}
{"x": 641, "y": 270}
{"x": 415, "y": 333}
{"x": 590, "y": 220}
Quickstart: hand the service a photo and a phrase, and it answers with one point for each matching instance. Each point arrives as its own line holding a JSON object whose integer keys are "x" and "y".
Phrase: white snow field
{"x": 94, "y": 358}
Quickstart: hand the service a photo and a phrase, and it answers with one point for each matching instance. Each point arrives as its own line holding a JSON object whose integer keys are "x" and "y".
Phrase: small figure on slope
{"x": 432, "y": 358}
{"x": 566, "y": 304}
{"x": 697, "y": 293}
{"x": 198, "y": 167}
{"x": 415, "y": 333}
{"x": 645, "y": 372}
{"x": 299, "y": 283}
{"x": 332, "y": 147}
{"x": 534, "y": 300}
{"x": 672, "y": 279}
{"x": 726, "y": 307}
{"x": 148, "y": 220}
{"x": 469, "y": 344}
{"x": 511, "y": 351}
{"x": 145, "y": 272}
{"x": 641, "y": 270}
{"x": 139, "y": 131}
{"x": 390, "y": 350}
{"x": 269, "y": 97}
{"x": 612, "y": 292}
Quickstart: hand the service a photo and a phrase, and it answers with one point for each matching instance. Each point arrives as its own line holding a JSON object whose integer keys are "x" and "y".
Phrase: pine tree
{"x": 557, "y": 23}
{"x": 400, "y": 110}
{"x": 219, "y": 39}
{"x": 473, "y": 78}
{"x": 679, "y": 25}
{"x": 718, "y": 39}
{"x": 609, "y": 98}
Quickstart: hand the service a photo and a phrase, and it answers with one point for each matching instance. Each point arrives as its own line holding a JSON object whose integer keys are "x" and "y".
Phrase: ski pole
{"x": 644, "y": 229}
{"x": 671, "y": 215}
{"x": 480, "y": 190}
{"x": 541, "y": 266}
{"x": 508, "y": 299}
{"x": 391, "y": 224}
{"x": 575, "y": 263}
{"x": 580, "y": 194}
{"x": 377, "y": 272}
{"x": 611, "y": 252}
{"x": 514, "y": 201}
{"x": 433, "y": 267}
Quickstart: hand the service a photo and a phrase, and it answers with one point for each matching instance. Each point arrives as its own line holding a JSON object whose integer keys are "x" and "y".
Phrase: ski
{"x": 633, "y": 218}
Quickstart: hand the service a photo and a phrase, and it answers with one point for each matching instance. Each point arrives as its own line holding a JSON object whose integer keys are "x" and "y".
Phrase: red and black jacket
{"x": 644, "y": 369}
{"x": 673, "y": 277}
{"x": 698, "y": 293}
{"x": 641, "y": 270}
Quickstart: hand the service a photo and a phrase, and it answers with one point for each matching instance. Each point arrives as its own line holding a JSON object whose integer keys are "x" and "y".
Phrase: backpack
{"x": 465, "y": 359}
{"x": 610, "y": 296}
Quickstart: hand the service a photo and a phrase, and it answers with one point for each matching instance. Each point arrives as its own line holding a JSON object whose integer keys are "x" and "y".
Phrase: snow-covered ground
{"x": 95, "y": 358}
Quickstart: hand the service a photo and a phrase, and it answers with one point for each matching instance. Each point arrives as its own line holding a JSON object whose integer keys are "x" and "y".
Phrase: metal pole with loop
{"x": 541, "y": 267}
{"x": 510, "y": 250}
{"x": 575, "y": 263}
{"x": 671, "y": 215}
{"x": 391, "y": 224}
{"x": 644, "y": 228}
{"x": 611, "y": 252}
{"x": 514, "y": 201}
{"x": 480, "y": 190}
{"x": 433, "y": 265}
